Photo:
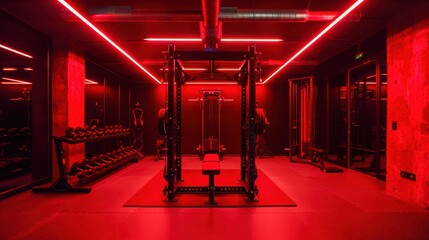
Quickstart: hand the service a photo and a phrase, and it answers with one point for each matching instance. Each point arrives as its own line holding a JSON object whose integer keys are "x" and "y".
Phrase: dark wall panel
{"x": 273, "y": 97}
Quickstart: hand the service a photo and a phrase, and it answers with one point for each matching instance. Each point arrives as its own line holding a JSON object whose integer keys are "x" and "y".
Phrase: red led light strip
{"x": 14, "y": 81}
{"x": 331, "y": 25}
{"x": 222, "y": 40}
{"x": 15, "y": 51}
{"x": 211, "y": 83}
{"x": 87, "y": 81}
{"x": 10, "y": 69}
{"x": 83, "y": 19}
{"x": 251, "y": 40}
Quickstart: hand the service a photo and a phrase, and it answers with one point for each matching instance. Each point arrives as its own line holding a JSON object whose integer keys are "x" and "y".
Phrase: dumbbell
{"x": 89, "y": 133}
{"x": 75, "y": 169}
{"x": 101, "y": 161}
{"x": 86, "y": 165}
{"x": 122, "y": 155}
{"x": 93, "y": 130}
{"x": 107, "y": 130}
{"x": 118, "y": 129}
{"x": 80, "y": 132}
{"x": 127, "y": 150}
{"x": 24, "y": 130}
{"x": 12, "y": 131}
{"x": 95, "y": 163}
{"x": 71, "y": 134}
{"x": 99, "y": 131}
{"x": 121, "y": 152}
{"x": 113, "y": 158}
{"x": 118, "y": 156}
{"x": 106, "y": 159}
{"x": 125, "y": 130}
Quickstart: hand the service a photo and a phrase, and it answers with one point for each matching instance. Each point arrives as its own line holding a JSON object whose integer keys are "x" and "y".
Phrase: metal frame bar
{"x": 375, "y": 61}
{"x": 172, "y": 173}
{"x": 252, "y": 174}
{"x": 178, "y": 125}
{"x": 377, "y": 116}
{"x": 243, "y": 123}
{"x": 295, "y": 110}
{"x": 349, "y": 112}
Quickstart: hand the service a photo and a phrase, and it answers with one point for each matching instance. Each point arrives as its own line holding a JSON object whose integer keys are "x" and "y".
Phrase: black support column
{"x": 179, "y": 123}
{"x": 244, "y": 122}
{"x": 252, "y": 174}
{"x": 170, "y": 171}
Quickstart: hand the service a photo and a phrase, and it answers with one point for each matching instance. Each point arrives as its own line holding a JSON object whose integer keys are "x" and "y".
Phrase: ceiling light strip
{"x": 332, "y": 24}
{"x": 15, "y": 51}
{"x": 228, "y": 69}
{"x": 10, "y": 69}
{"x": 87, "y": 81}
{"x": 173, "y": 39}
{"x": 14, "y": 81}
{"x": 251, "y": 40}
{"x": 77, "y": 14}
{"x": 222, "y": 40}
{"x": 211, "y": 83}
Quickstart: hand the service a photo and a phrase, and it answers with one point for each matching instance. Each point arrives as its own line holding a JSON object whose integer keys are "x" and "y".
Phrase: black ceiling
{"x": 50, "y": 17}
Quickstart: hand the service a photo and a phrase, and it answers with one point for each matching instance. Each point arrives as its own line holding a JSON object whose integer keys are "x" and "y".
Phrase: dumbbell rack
{"x": 105, "y": 171}
{"x": 62, "y": 184}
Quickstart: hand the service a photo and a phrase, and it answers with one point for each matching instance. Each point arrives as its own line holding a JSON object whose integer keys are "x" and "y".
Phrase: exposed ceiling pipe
{"x": 210, "y": 10}
{"x": 282, "y": 15}
{"x": 127, "y": 14}
{"x": 210, "y": 28}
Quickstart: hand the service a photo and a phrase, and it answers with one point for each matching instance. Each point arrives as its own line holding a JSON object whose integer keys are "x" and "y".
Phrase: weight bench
{"x": 318, "y": 155}
{"x": 211, "y": 167}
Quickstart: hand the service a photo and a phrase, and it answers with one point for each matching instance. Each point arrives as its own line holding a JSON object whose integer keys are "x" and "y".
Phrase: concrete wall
{"x": 68, "y": 95}
{"x": 408, "y": 105}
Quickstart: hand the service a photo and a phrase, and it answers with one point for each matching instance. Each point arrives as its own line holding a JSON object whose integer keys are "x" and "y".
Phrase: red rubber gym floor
{"x": 350, "y": 205}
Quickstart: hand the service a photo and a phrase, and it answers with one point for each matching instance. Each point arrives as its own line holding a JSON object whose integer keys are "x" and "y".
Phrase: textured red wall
{"x": 68, "y": 90}
{"x": 408, "y": 105}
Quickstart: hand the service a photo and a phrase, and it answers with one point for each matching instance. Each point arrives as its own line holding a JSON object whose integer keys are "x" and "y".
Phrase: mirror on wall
{"x": 357, "y": 118}
{"x": 15, "y": 121}
{"x": 24, "y": 115}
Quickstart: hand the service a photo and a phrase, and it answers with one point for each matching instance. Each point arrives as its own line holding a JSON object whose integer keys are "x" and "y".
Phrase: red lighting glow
{"x": 331, "y": 25}
{"x": 228, "y": 69}
{"x": 99, "y": 32}
{"x": 189, "y": 69}
{"x": 222, "y": 40}
{"x": 12, "y": 81}
{"x": 10, "y": 69}
{"x": 15, "y": 51}
{"x": 251, "y": 40}
{"x": 173, "y": 39}
{"x": 87, "y": 81}
{"x": 211, "y": 83}
{"x": 194, "y": 69}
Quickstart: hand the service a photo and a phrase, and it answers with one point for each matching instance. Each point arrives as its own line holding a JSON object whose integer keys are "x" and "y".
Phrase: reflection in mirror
{"x": 368, "y": 118}
{"x": 94, "y": 103}
{"x": 16, "y": 73}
